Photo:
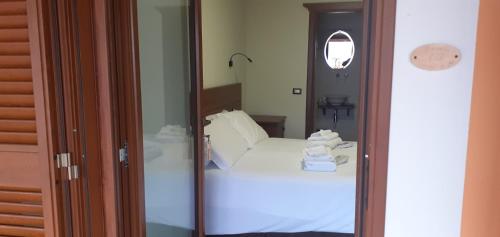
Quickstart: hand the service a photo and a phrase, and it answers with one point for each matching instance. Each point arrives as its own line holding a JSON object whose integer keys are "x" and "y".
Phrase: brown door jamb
{"x": 87, "y": 83}
{"x": 382, "y": 17}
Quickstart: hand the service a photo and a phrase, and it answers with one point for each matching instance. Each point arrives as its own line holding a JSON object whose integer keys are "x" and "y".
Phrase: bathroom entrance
{"x": 335, "y": 80}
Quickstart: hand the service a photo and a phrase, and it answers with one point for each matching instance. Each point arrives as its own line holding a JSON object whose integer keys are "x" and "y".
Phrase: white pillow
{"x": 246, "y": 126}
{"x": 228, "y": 146}
{"x": 211, "y": 117}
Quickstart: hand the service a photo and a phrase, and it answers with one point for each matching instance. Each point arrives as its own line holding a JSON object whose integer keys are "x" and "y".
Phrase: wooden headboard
{"x": 214, "y": 100}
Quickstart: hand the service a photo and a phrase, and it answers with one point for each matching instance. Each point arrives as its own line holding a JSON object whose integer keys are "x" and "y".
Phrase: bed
{"x": 250, "y": 197}
{"x": 265, "y": 193}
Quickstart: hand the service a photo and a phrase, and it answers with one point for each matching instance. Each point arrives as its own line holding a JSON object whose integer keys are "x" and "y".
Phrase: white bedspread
{"x": 169, "y": 185}
{"x": 265, "y": 191}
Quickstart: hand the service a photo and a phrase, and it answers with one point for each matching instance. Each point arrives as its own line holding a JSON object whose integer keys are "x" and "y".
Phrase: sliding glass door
{"x": 169, "y": 157}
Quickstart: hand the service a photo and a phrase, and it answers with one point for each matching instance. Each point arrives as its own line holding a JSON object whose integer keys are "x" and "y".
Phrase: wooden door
{"x": 28, "y": 188}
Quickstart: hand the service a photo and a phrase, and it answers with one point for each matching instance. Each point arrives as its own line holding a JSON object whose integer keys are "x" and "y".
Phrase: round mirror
{"x": 339, "y": 50}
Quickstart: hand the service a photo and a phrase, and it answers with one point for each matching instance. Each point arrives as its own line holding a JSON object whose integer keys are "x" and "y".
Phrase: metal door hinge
{"x": 123, "y": 155}
{"x": 73, "y": 172}
{"x": 63, "y": 160}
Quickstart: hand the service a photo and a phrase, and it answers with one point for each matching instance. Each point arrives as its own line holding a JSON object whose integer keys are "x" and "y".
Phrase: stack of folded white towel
{"x": 318, "y": 158}
{"x": 173, "y": 133}
{"x": 317, "y": 154}
{"x": 324, "y": 138}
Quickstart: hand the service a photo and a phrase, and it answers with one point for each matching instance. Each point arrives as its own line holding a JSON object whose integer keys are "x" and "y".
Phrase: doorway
{"x": 135, "y": 118}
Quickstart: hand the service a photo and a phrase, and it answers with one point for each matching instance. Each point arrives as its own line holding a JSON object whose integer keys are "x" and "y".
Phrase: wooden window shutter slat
{"x": 15, "y": 61}
{"x": 18, "y": 138}
{"x": 21, "y": 209}
{"x": 17, "y": 100}
{"x": 13, "y": 8}
{"x": 17, "y": 113}
{"x": 18, "y": 88}
{"x": 14, "y": 48}
{"x": 21, "y": 196}
{"x": 13, "y": 21}
{"x": 28, "y": 126}
{"x": 16, "y": 220}
{"x": 8, "y": 74}
{"x": 6, "y": 230}
{"x": 14, "y": 35}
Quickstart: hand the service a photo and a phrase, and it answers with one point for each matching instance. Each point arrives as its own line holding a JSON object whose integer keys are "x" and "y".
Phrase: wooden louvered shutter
{"x": 27, "y": 196}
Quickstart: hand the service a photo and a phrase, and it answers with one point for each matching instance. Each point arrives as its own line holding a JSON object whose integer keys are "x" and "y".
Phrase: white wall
{"x": 150, "y": 39}
{"x": 429, "y": 121}
{"x": 164, "y": 62}
{"x": 277, "y": 40}
{"x": 222, "y": 35}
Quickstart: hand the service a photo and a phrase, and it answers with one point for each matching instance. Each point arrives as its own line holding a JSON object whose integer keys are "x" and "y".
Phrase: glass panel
{"x": 168, "y": 144}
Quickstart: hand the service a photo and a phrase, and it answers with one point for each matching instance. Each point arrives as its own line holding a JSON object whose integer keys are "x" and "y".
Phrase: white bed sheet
{"x": 169, "y": 184}
{"x": 265, "y": 191}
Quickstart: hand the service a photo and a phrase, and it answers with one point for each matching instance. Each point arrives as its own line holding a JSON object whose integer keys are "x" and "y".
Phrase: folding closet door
{"x": 27, "y": 174}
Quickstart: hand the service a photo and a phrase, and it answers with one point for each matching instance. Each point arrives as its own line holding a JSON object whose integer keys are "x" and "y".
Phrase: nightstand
{"x": 273, "y": 125}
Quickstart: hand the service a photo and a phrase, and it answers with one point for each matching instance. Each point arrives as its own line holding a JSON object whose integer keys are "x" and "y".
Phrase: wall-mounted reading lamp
{"x": 231, "y": 62}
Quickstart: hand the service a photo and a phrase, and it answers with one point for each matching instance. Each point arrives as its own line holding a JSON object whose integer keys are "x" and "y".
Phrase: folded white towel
{"x": 325, "y": 137}
{"x": 320, "y": 166}
{"x": 321, "y": 133}
{"x": 331, "y": 143}
{"x": 327, "y": 158}
{"x": 343, "y": 145}
{"x": 171, "y": 132}
{"x": 341, "y": 159}
{"x": 317, "y": 151}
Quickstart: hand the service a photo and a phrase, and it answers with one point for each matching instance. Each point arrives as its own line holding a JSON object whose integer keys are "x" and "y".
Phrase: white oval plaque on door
{"x": 434, "y": 57}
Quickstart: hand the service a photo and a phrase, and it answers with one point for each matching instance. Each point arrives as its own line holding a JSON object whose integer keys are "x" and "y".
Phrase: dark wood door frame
{"x": 84, "y": 35}
{"x": 197, "y": 120}
{"x": 374, "y": 110}
{"x": 381, "y": 33}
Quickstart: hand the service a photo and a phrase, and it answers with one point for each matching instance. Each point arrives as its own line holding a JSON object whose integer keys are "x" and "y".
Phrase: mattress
{"x": 265, "y": 191}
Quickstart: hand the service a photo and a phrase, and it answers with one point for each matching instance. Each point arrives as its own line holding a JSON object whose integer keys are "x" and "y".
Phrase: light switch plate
{"x": 297, "y": 91}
